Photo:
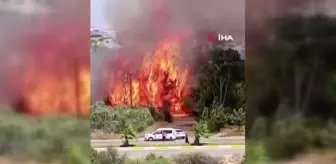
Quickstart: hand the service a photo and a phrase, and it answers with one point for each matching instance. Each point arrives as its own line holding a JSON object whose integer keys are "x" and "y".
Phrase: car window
{"x": 179, "y": 131}
{"x": 168, "y": 131}
{"x": 158, "y": 132}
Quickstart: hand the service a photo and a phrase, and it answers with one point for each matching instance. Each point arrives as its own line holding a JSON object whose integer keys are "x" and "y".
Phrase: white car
{"x": 180, "y": 134}
{"x": 158, "y": 134}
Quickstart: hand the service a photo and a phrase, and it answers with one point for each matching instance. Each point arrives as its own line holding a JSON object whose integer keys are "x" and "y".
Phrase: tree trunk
{"x": 310, "y": 85}
{"x": 126, "y": 143}
{"x": 226, "y": 86}
{"x": 298, "y": 79}
{"x": 197, "y": 140}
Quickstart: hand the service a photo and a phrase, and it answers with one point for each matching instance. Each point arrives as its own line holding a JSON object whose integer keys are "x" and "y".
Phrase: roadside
{"x": 186, "y": 126}
{"x": 212, "y": 145}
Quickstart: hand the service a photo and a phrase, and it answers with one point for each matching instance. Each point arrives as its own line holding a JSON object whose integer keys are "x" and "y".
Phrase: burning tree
{"x": 159, "y": 80}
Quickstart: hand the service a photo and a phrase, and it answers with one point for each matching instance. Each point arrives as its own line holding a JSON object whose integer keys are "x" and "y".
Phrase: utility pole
{"x": 130, "y": 87}
{"x": 78, "y": 87}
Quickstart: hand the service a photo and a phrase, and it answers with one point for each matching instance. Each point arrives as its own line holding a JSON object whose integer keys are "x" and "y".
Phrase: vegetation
{"x": 111, "y": 156}
{"x": 120, "y": 119}
{"x": 219, "y": 98}
{"x": 61, "y": 139}
{"x": 201, "y": 130}
{"x": 291, "y": 85}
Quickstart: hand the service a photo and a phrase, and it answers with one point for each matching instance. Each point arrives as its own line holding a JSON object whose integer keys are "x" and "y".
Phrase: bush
{"x": 195, "y": 158}
{"x": 218, "y": 117}
{"x": 47, "y": 139}
{"x": 294, "y": 135}
{"x": 153, "y": 159}
{"x": 106, "y": 118}
{"x": 256, "y": 153}
{"x": 111, "y": 156}
{"x": 289, "y": 137}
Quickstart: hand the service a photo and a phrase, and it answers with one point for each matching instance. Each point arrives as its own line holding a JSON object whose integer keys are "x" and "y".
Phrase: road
{"x": 218, "y": 151}
{"x": 141, "y": 142}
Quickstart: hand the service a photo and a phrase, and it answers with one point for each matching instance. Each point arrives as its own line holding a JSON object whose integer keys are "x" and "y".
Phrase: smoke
{"x": 258, "y": 12}
{"x": 48, "y": 38}
{"x": 142, "y": 24}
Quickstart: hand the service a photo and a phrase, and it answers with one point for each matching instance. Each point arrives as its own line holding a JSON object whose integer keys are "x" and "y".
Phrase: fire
{"x": 56, "y": 79}
{"x": 158, "y": 82}
{"x": 49, "y": 94}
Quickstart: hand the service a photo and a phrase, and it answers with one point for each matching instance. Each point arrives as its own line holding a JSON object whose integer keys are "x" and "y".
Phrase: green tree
{"x": 291, "y": 72}
{"x": 127, "y": 131}
{"x": 201, "y": 130}
{"x": 218, "y": 80}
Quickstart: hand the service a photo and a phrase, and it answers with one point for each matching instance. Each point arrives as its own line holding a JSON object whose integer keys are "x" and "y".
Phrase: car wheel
{"x": 150, "y": 139}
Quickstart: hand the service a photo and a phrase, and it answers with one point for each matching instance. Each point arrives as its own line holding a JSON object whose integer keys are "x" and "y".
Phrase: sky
{"x": 98, "y": 16}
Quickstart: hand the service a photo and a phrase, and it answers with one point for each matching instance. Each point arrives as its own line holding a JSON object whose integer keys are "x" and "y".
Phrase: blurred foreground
{"x": 47, "y": 139}
{"x": 291, "y": 78}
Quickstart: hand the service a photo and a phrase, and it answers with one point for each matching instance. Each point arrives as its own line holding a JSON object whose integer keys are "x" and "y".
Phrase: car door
{"x": 158, "y": 135}
{"x": 169, "y": 134}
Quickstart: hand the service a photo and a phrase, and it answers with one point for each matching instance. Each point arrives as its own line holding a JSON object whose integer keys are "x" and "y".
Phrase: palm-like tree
{"x": 127, "y": 131}
{"x": 201, "y": 130}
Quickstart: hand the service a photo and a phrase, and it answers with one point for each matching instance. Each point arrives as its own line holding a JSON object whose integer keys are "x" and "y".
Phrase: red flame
{"x": 159, "y": 81}
{"x": 57, "y": 75}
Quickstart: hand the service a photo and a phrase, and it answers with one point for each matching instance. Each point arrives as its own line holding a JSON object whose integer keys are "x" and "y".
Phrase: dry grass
{"x": 232, "y": 159}
{"x": 231, "y": 131}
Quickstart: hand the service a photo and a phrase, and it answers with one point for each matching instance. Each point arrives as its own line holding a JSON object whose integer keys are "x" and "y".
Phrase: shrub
{"x": 44, "y": 138}
{"x": 327, "y": 136}
{"x": 217, "y": 117}
{"x": 294, "y": 135}
{"x": 153, "y": 159}
{"x": 111, "y": 156}
{"x": 195, "y": 158}
{"x": 106, "y": 118}
{"x": 256, "y": 153}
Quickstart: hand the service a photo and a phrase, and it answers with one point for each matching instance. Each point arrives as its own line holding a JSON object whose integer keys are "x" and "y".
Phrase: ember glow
{"x": 159, "y": 80}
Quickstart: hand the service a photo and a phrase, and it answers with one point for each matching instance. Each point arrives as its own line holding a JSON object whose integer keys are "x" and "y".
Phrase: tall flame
{"x": 159, "y": 81}
{"x": 56, "y": 79}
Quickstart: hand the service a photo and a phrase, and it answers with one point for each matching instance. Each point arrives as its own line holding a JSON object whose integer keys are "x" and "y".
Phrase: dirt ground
{"x": 315, "y": 158}
{"x": 6, "y": 160}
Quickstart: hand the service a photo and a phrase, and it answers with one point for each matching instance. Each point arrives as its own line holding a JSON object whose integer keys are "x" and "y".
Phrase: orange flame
{"x": 57, "y": 75}
{"x": 50, "y": 94}
{"x": 159, "y": 81}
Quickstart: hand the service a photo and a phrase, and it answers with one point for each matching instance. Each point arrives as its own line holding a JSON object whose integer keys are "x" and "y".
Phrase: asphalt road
{"x": 141, "y": 142}
{"x": 175, "y": 150}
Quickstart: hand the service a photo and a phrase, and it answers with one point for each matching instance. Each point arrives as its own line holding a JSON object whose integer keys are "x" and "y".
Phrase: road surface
{"x": 216, "y": 151}
{"x": 141, "y": 142}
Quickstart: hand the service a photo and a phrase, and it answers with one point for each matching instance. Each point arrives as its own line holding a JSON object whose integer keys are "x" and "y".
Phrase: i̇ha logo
{"x": 213, "y": 37}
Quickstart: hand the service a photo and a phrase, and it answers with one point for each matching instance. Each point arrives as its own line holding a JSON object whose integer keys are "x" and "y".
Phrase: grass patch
{"x": 46, "y": 139}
